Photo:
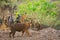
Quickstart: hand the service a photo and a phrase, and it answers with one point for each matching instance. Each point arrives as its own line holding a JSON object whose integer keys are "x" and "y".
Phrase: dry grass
{"x": 3, "y": 27}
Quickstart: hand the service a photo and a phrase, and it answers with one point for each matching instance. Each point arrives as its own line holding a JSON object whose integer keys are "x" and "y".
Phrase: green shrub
{"x": 42, "y": 10}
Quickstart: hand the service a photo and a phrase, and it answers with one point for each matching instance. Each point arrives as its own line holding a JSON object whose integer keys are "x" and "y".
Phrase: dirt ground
{"x": 44, "y": 34}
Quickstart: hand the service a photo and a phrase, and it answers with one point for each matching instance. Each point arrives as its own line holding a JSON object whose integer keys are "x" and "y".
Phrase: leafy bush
{"x": 42, "y": 11}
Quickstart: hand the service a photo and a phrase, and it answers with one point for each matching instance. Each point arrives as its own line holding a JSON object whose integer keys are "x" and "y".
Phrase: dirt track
{"x": 44, "y": 34}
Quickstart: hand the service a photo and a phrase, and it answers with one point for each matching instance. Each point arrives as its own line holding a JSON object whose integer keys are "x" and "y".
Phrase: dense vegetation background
{"x": 45, "y": 12}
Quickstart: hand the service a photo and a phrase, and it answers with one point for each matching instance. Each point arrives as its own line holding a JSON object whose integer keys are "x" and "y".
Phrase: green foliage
{"x": 41, "y": 10}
